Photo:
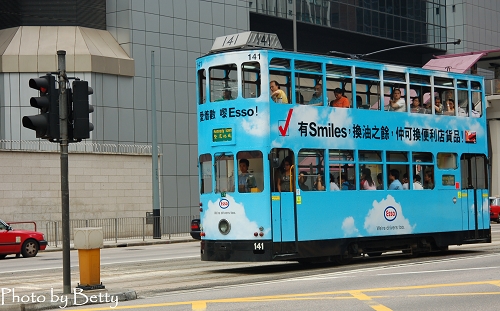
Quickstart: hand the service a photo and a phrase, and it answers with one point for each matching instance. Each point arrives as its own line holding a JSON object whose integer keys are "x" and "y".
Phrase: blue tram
{"x": 313, "y": 158}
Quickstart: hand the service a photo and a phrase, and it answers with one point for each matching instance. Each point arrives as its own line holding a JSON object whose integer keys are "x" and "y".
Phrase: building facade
{"x": 110, "y": 42}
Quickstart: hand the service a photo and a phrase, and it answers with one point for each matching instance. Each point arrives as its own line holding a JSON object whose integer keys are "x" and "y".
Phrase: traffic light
{"x": 46, "y": 124}
{"x": 81, "y": 109}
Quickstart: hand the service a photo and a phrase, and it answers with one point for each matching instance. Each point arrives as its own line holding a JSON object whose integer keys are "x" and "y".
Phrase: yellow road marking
{"x": 199, "y": 305}
{"x": 349, "y": 294}
{"x": 369, "y": 301}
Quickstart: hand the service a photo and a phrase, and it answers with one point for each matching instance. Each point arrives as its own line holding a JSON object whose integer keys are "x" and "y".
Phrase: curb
{"x": 84, "y": 298}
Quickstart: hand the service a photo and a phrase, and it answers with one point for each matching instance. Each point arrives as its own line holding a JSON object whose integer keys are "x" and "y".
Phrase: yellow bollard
{"x": 89, "y": 259}
{"x": 89, "y": 241}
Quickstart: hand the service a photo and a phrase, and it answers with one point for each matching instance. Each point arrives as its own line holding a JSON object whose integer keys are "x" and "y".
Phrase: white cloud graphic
{"x": 377, "y": 224}
{"x": 257, "y": 125}
{"x": 241, "y": 227}
{"x": 349, "y": 227}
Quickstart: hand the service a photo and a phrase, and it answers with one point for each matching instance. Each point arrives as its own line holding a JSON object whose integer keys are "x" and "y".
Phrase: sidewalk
{"x": 48, "y": 300}
{"x": 130, "y": 242}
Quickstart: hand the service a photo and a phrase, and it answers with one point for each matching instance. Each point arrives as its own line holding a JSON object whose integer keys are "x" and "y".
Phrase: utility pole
{"x": 63, "y": 126}
{"x": 294, "y": 3}
{"x": 154, "y": 154}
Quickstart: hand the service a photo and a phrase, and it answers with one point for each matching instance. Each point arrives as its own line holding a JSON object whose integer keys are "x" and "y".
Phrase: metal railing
{"x": 84, "y": 147}
{"x": 115, "y": 229}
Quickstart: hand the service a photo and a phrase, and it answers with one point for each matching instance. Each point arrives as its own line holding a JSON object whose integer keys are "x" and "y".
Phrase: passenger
{"x": 397, "y": 103}
{"x": 226, "y": 95}
{"x": 340, "y": 100}
{"x": 317, "y": 98}
{"x": 367, "y": 182}
{"x": 428, "y": 183}
{"x": 302, "y": 181}
{"x": 359, "y": 103}
{"x": 395, "y": 184}
{"x": 405, "y": 181}
{"x": 319, "y": 184}
{"x": 438, "y": 107}
{"x": 285, "y": 181}
{"x": 450, "y": 107}
{"x": 416, "y": 107}
{"x": 333, "y": 185}
{"x": 246, "y": 181}
{"x": 346, "y": 185}
{"x": 277, "y": 94}
{"x": 416, "y": 183}
{"x": 380, "y": 182}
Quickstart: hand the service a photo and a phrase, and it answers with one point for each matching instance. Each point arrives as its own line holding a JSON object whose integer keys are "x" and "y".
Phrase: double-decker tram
{"x": 314, "y": 158}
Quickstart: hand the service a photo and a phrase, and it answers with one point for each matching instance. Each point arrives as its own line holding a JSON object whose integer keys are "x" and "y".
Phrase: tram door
{"x": 283, "y": 202}
{"x": 474, "y": 193}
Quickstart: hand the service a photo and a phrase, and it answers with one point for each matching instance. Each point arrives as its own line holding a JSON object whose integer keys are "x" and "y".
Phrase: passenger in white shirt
{"x": 333, "y": 185}
{"x": 417, "y": 185}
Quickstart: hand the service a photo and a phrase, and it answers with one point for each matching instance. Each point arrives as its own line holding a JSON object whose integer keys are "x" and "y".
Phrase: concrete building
{"x": 109, "y": 44}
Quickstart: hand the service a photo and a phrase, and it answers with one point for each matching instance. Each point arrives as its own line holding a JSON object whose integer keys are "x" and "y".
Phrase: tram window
{"x": 283, "y": 79}
{"x": 462, "y": 105}
{"x": 389, "y": 89}
{"x": 279, "y": 63}
{"x": 224, "y": 172}
{"x": 367, "y": 73}
{"x": 438, "y": 81}
{"x": 448, "y": 180}
{"x": 417, "y": 99}
{"x": 338, "y": 71}
{"x": 311, "y": 170}
{"x": 448, "y": 101}
{"x": 342, "y": 169}
{"x": 447, "y": 160}
{"x": 426, "y": 101}
{"x": 369, "y": 94}
{"x": 477, "y": 108}
{"x": 223, "y": 82}
{"x": 250, "y": 80}
{"x": 394, "y": 76}
{"x": 462, "y": 84}
{"x": 368, "y": 173}
{"x": 343, "y": 84}
{"x": 369, "y": 156}
{"x": 427, "y": 174}
{"x": 397, "y": 176}
{"x": 397, "y": 156}
{"x": 251, "y": 171}
{"x": 424, "y": 157}
{"x": 205, "y": 173}
{"x": 308, "y": 66}
{"x": 202, "y": 84}
{"x": 305, "y": 87}
{"x": 420, "y": 79}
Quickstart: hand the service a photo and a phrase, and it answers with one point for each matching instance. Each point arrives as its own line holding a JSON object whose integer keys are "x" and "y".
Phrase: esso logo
{"x": 390, "y": 213}
{"x": 223, "y": 203}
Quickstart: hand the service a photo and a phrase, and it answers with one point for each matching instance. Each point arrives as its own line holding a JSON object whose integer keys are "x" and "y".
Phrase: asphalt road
{"x": 176, "y": 274}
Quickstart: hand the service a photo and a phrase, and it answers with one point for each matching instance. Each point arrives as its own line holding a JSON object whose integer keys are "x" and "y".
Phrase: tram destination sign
{"x": 249, "y": 39}
{"x": 224, "y": 134}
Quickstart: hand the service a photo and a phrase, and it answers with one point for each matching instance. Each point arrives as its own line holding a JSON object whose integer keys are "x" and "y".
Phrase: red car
{"x": 495, "y": 210}
{"x": 25, "y": 242}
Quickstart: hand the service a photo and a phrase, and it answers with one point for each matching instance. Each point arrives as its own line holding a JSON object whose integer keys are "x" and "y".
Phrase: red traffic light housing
{"x": 46, "y": 123}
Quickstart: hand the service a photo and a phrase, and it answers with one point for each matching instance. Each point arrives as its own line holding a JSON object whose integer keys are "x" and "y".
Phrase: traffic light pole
{"x": 63, "y": 122}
